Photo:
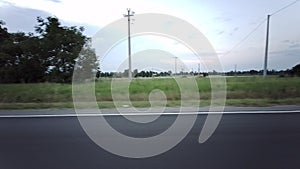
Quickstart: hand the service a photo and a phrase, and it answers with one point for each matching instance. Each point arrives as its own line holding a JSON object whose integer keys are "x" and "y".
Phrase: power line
{"x": 258, "y": 26}
{"x": 246, "y": 37}
{"x": 283, "y": 8}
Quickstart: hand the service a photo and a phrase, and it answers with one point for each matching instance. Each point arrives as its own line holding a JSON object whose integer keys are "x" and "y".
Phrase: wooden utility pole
{"x": 128, "y": 15}
{"x": 267, "y": 47}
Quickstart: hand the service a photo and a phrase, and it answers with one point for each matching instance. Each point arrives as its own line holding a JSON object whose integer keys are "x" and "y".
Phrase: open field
{"x": 241, "y": 91}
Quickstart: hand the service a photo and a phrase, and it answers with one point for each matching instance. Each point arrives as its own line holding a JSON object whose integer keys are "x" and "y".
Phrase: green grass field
{"x": 241, "y": 91}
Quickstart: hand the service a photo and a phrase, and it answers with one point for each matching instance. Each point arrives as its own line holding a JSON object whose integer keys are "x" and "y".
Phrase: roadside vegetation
{"x": 241, "y": 91}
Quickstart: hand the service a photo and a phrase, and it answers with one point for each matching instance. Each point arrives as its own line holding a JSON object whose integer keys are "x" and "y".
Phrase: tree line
{"x": 295, "y": 71}
{"x": 48, "y": 55}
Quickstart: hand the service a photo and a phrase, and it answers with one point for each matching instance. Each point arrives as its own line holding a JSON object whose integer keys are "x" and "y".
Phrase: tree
{"x": 48, "y": 56}
{"x": 31, "y": 66}
{"x": 19, "y": 58}
{"x": 60, "y": 46}
{"x": 3, "y": 32}
{"x": 86, "y": 63}
{"x": 10, "y": 53}
{"x": 296, "y": 70}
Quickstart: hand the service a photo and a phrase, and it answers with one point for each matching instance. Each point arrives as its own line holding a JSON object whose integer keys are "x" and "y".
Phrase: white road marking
{"x": 147, "y": 114}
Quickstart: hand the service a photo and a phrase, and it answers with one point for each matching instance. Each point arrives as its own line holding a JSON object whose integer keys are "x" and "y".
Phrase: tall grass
{"x": 238, "y": 88}
{"x": 257, "y": 87}
{"x": 39, "y": 92}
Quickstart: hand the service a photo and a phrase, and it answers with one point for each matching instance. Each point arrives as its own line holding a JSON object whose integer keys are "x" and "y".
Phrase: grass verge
{"x": 109, "y": 104}
{"x": 241, "y": 91}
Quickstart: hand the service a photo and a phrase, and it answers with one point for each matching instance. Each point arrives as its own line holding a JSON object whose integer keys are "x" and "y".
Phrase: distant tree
{"x": 98, "y": 73}
{"x": 143, "y": 74}
{"x": 253, "y": 72}
{"x": 135, "y": 73}
{"x": 296, "y": 70}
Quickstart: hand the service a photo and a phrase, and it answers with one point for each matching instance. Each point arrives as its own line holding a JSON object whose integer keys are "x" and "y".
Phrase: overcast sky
{"x": 224, "y": 23}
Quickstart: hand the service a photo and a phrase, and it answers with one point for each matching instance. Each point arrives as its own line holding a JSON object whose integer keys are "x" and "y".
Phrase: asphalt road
{"x": 241, "y": 141}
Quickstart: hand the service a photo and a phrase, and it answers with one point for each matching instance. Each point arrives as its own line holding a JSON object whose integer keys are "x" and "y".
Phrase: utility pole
{"x": 235, "y": 70}
{"x": 198, "y": 69}
{"x": 175, "y": 65}
{"x": 128, "y": 15}
{"x": 267, "y": 47}
{"x": 99, "y": 68}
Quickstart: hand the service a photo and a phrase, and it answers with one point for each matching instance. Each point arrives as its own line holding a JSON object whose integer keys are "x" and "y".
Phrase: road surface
{"x": 241, "y": 141}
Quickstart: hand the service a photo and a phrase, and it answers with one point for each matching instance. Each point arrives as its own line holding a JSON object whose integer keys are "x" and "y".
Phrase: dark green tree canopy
{"x": 61, "y": 46}
{"x": 296, "y": 70}
{"x": 47, "y": 55}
